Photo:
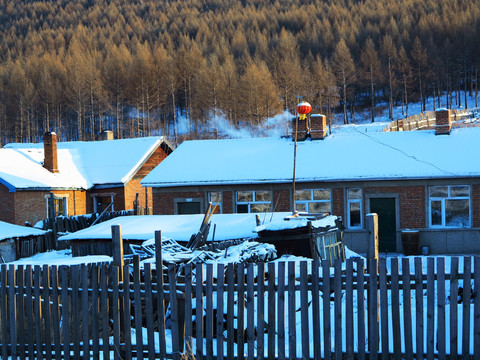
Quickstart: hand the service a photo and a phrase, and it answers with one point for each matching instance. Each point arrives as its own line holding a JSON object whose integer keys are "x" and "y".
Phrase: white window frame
{"x": 312, "y": 199}
{"x": 58, "y": 197}
{"x": 214, "y": 202}
{"x": 111, "y": 195}
{"x": 354, "y": 201}
{"x": 254, "y": 201}
{"x": 443, "y": 209}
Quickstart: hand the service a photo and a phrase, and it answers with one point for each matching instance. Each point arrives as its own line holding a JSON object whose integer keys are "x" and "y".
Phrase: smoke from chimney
{"x": 218, "y": 124}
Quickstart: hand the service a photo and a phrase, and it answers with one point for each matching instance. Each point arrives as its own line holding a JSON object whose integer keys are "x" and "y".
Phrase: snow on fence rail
{"x": 284, "y": 310}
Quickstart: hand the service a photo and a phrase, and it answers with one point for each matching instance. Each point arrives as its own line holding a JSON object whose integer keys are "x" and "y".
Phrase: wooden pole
{"x": 372, "y": 292}
{"x": 372, "y": 229}
{"x": 160, "y": 294}
{"x": 294, "y": 163}
{"x": 117, "y": 247}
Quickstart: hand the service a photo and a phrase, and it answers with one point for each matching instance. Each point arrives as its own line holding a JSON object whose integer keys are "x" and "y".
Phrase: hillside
{"x": 137, "y": 67}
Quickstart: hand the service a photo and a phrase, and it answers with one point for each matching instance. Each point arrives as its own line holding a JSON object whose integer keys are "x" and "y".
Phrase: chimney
{"x": 443, "y": 123}
{"x": 318, "y": 127}
{"x": 50, "y": 152}
{"x": 105, "y": 135}
{"x": 302, "y": 129}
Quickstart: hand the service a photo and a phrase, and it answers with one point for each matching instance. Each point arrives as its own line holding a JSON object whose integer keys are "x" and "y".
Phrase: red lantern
{"x": 303, "y": 109}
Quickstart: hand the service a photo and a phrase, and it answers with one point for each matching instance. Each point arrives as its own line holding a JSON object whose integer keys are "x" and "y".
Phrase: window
{"x": 186, "y": 206}
{"x": 354, "y": 208}
{"x": 102, "y": 201}
{"x": 215, "y": 197}
{"x": 59, "y": 205}
{"x": 449, "y": 206}
{"x": 254, "y": 201}
{"x": 314, "y": 201}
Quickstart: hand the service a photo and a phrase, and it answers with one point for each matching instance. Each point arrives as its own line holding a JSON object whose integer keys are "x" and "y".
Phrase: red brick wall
{"x": 118, "y": 199}
{"x": 133, "y": 187}
{"x": 7, "y": 210}
{"x": 412, "y": 204}
{"x": 476, "y": 205}
{"x": 281, "y": 200}
{"x": 163, "y": 203}
{"x": 156, "y": 158}
{"x": 227, "y": 202}
{"x": 337, "y": 202}
{"x": 31, "y": 206}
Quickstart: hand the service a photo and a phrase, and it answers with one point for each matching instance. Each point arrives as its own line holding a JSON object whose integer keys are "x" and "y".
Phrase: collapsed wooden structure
{"x": 309, "y": 239}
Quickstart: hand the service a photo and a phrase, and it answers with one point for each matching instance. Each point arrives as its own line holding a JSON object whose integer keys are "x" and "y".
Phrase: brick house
{"x": 84, "y": 177}
{"x": 426, "y": 182}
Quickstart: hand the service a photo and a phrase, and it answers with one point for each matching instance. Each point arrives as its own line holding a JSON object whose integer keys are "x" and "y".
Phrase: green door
{"x": 188, "y": 207}
{"x": 387, "y": 223}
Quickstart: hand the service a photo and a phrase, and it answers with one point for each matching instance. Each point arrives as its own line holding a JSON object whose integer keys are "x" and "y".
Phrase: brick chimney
{"x": 302, "y": 129}
{"x": 443, "y": 122}
{"x": 105, "y": 135}
{"x": 314, "y": 127}
{"x": 50, "y": 152}
{"x": 318, "y": 127}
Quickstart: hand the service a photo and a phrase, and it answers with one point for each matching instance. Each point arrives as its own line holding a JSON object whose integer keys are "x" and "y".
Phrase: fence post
{"x": 118, "y": 261}
{"x": 372, "y": 292}
{"x": 160, "y": 294}
{"x": 117, "y": 247}
{"x": 372, "y": 229}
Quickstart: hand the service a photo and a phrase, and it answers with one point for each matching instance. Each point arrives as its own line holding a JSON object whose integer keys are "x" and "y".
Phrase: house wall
{"x": 411, "y": 199}
{"x": 7, "y": 199}
{"x": 412, "y": 203}
{"x": 31, "y": 206}
{"x": 118, "y": 198}
{"x": 133, "y": 186}
{"x": 476, "y": 205}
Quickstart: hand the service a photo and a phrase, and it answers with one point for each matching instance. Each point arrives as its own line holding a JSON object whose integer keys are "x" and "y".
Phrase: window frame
{"x": 220, "y": 203}
{"x": 254, "y": 201}
{"x": 63, "y": 198}
{"x": 354, "y": 201}
{"x": 312, "y": 199}
{"x": 443, "y": 212}
{"x": 105, "y": 195}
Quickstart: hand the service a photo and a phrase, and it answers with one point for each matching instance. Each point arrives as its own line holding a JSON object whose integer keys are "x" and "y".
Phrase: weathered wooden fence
{"x": 411, "y": 308}
{"x": 61, "y": 224}
{"x": 426, "y": 120}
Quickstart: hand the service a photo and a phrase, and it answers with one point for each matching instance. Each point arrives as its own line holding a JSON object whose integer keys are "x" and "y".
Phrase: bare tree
{"x": 344, "y": 69}
{"x": 371, "y": 71}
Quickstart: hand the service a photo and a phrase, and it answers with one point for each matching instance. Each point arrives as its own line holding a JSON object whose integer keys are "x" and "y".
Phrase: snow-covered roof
{"x": 290, "y": 223}
{"x": 81, "y": 164}
{"x": 339, "y": 157}
{"x": 8, "y": 231}
{"x": 177, "y": 227}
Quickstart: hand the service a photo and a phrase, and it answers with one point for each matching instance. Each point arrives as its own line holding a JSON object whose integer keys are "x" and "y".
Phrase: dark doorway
{"x": 387, "y": 223}
{"x": 188, "y": 207}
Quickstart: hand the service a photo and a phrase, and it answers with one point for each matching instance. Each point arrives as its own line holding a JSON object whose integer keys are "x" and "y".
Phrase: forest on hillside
{"x": 138, "y": 67}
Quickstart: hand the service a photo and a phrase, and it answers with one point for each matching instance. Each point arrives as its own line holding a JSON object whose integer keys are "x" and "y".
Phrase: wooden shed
{"x": 21, "y": 241}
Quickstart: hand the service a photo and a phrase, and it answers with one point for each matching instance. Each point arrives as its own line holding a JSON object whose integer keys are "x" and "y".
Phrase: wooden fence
{"x": 410, "y": 308}
{"x": 61, "y": 224}
{"x": 426, "y": 120}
